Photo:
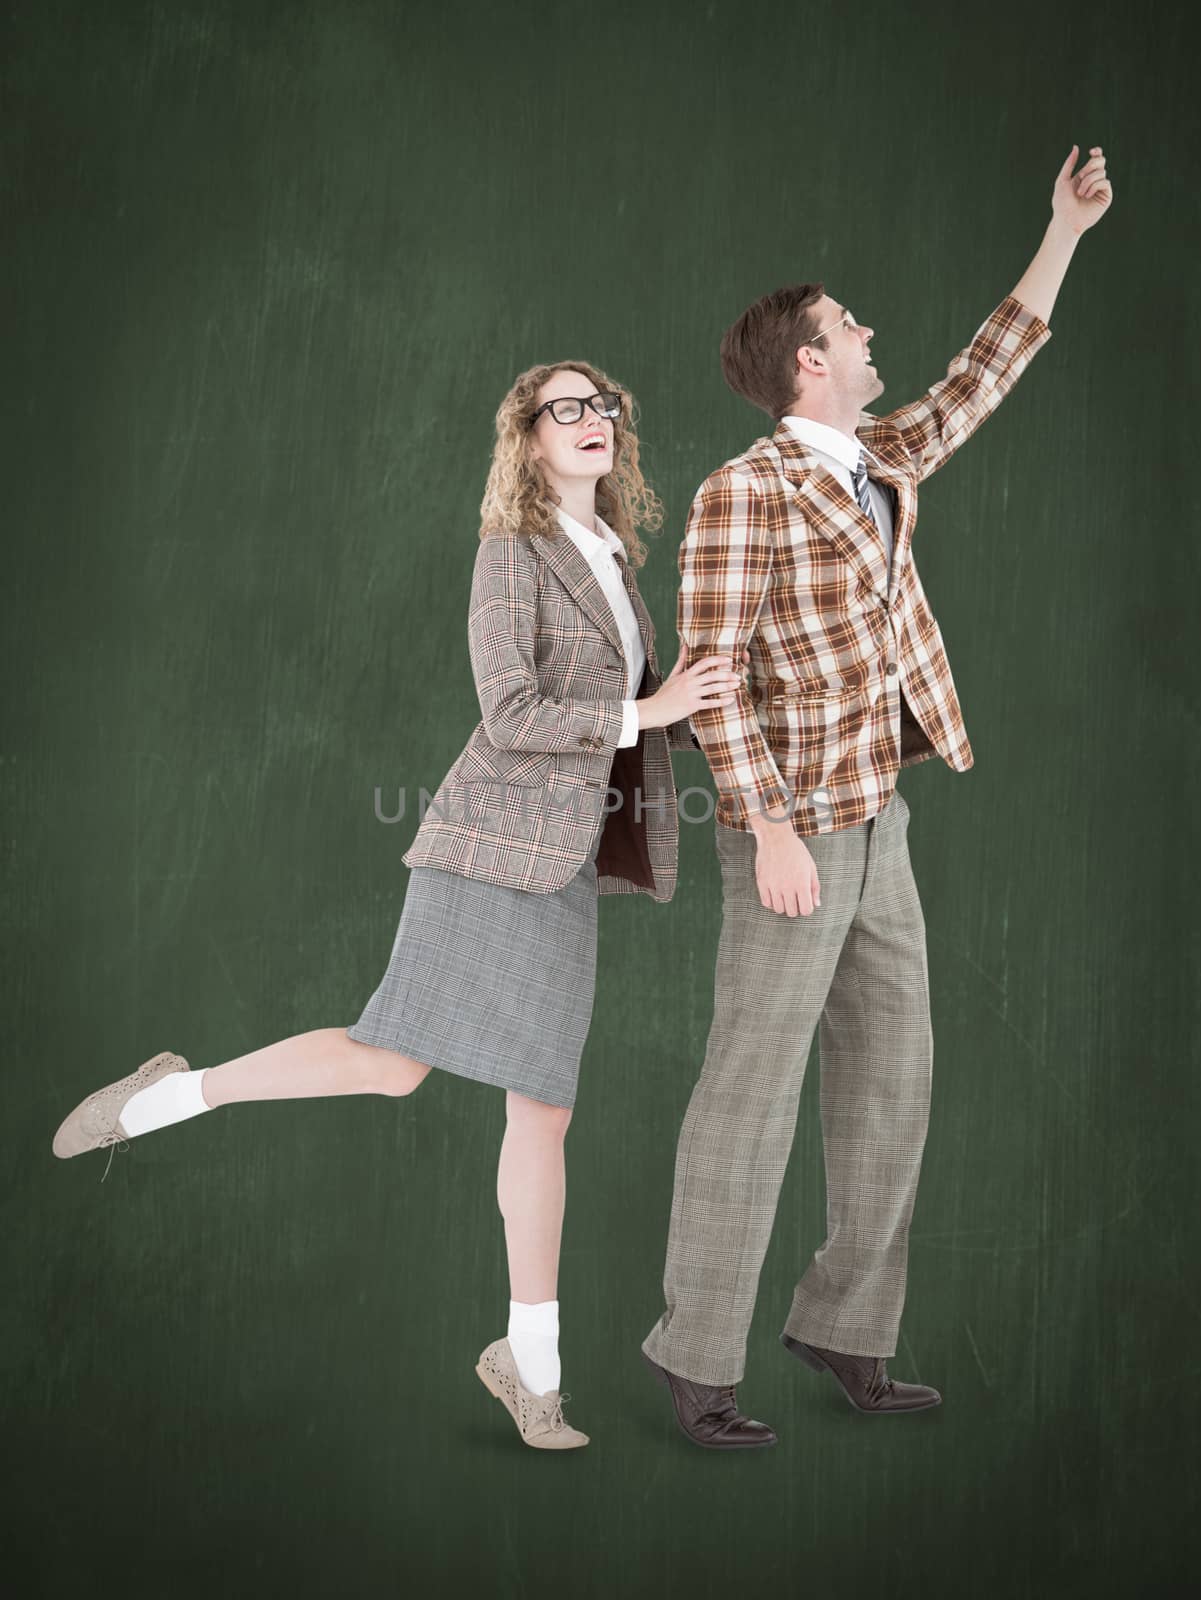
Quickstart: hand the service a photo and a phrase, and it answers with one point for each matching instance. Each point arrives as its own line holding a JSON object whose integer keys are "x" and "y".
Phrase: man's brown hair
{"x": 758, "y": 352}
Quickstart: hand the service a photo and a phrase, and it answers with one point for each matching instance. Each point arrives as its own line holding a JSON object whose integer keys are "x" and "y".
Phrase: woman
{"x": 492, "y": 970}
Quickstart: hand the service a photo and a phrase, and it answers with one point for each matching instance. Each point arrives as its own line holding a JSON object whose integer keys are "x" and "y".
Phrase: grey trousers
{"x": 857, "y": 963}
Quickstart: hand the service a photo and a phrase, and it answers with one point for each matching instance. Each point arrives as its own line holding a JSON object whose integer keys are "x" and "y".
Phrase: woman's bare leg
{"x": 531, "y": 1191}
{"x": 323, "y": 1062}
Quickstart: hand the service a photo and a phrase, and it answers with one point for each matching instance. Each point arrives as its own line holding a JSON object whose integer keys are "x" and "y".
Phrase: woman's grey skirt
{"x": 491, "y": 983}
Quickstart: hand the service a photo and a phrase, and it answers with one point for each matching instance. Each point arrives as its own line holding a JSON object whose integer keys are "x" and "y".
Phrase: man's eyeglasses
{"x": 846, "y": 320}
{"x": 568, "y": 408}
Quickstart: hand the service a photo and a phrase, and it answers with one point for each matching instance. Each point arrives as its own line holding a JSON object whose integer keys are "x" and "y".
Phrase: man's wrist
{"x": 1060, "y": 231}
{"x": 770, "y": 822}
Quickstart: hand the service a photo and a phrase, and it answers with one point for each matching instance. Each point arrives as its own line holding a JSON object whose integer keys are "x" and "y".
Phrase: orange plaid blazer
{"x": 848, "y": 679}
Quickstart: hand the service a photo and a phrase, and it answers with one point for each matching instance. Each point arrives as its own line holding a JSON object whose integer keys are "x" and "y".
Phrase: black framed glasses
{"x": 569, "y": 408}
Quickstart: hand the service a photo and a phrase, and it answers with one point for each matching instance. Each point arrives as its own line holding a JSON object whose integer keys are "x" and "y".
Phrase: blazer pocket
{"x": 805, "y": 694}
{"x": 802, "y": 730}
{"x": 488, "y": 764}
{"x": 816, "y": 690}
{"x": 584, "y": 769}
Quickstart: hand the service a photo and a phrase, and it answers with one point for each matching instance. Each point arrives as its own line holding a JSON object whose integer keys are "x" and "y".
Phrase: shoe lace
{"x": 880, "y": 1383}
{"x": 118, "y": 1141}
{"x": 555, "y": 1418}
{"x": 723, "y": 1404}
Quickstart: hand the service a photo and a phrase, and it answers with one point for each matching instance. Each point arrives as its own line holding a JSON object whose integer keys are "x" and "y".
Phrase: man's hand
{"x": 785, "y": 872}
{"x": 1076, "y": 203}
{"x": 1084, "y": 199}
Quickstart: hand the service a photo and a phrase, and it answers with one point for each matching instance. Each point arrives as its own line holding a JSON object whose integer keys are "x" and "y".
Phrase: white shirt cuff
{"x": 629, "y": 723}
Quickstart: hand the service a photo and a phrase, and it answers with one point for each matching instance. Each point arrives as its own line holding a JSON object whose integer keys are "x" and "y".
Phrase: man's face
{"x": 845, "y": 363}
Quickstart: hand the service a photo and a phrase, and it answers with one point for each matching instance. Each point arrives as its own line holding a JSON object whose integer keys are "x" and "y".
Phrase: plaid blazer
{"x": 848, "y": 678}
{"x": 521, "y": 804}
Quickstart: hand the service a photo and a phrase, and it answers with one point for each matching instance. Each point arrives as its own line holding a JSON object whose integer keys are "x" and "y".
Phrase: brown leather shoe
{"x": 863, "y": 1379}
{"x": 709, "y": 1414}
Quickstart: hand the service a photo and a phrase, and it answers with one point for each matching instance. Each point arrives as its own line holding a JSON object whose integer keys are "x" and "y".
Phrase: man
{"x": 799, "y": 550}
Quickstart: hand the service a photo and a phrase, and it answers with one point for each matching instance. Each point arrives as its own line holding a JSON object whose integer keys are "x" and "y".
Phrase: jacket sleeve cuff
{"x": 1027, "y": 330}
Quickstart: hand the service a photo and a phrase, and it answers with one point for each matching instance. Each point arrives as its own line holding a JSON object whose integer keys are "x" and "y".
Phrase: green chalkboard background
{"x": 268, "y": 270}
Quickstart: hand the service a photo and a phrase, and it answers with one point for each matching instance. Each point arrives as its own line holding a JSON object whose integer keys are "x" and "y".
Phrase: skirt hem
{"x": 457, "y": 1069}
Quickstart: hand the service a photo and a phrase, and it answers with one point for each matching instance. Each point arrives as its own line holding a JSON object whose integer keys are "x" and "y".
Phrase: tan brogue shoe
{"x": 96, "y": 1121}
{"x": 539, "y": 1417}
{"x": 864, "y": 1379}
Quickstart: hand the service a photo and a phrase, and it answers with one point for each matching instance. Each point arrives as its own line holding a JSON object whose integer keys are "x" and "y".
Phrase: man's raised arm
{"x": 931, "y": 429}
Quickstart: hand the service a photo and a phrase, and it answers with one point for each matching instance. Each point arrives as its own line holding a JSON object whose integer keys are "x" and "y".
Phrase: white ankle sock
{"x": 172, "y": 1099}
{"x": 534, "y": 1340}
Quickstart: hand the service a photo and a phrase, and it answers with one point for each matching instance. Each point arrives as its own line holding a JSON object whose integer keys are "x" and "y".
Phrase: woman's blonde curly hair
{"x": 518, "y": 499}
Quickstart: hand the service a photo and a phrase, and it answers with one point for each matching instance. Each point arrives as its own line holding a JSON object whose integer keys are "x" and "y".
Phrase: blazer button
{"x": 584, "y": 739}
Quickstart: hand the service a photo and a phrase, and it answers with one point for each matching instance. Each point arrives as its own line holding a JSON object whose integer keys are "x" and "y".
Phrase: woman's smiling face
{"x": 582, "y": 449}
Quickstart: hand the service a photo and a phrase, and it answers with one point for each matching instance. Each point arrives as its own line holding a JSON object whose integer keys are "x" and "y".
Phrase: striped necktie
{"x": 861, "y": 494}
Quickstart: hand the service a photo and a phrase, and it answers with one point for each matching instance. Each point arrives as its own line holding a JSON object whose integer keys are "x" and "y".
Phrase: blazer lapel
{"x": 563, "y": 555}
{"x": 564, "y": 559}
{"x": 837, "y": 516}
{"x": 646, "y": 627}
{"x": 904, "y": 512}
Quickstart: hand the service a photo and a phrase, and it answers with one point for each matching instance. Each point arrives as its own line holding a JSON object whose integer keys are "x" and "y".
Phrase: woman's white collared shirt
{"x": 602, "y": 553}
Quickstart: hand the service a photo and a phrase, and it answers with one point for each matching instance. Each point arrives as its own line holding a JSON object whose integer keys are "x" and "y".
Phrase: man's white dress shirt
{"x": 602, "y": 553}
{"x": 840, "y": 453}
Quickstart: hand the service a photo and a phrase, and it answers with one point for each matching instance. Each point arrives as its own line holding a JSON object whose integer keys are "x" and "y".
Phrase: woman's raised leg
{"x": 324, "y": 1062}
{"x": 163, "y": 1091}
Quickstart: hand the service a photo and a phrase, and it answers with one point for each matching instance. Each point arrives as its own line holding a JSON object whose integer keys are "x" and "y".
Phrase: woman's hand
{"x": 708, "y": 682}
